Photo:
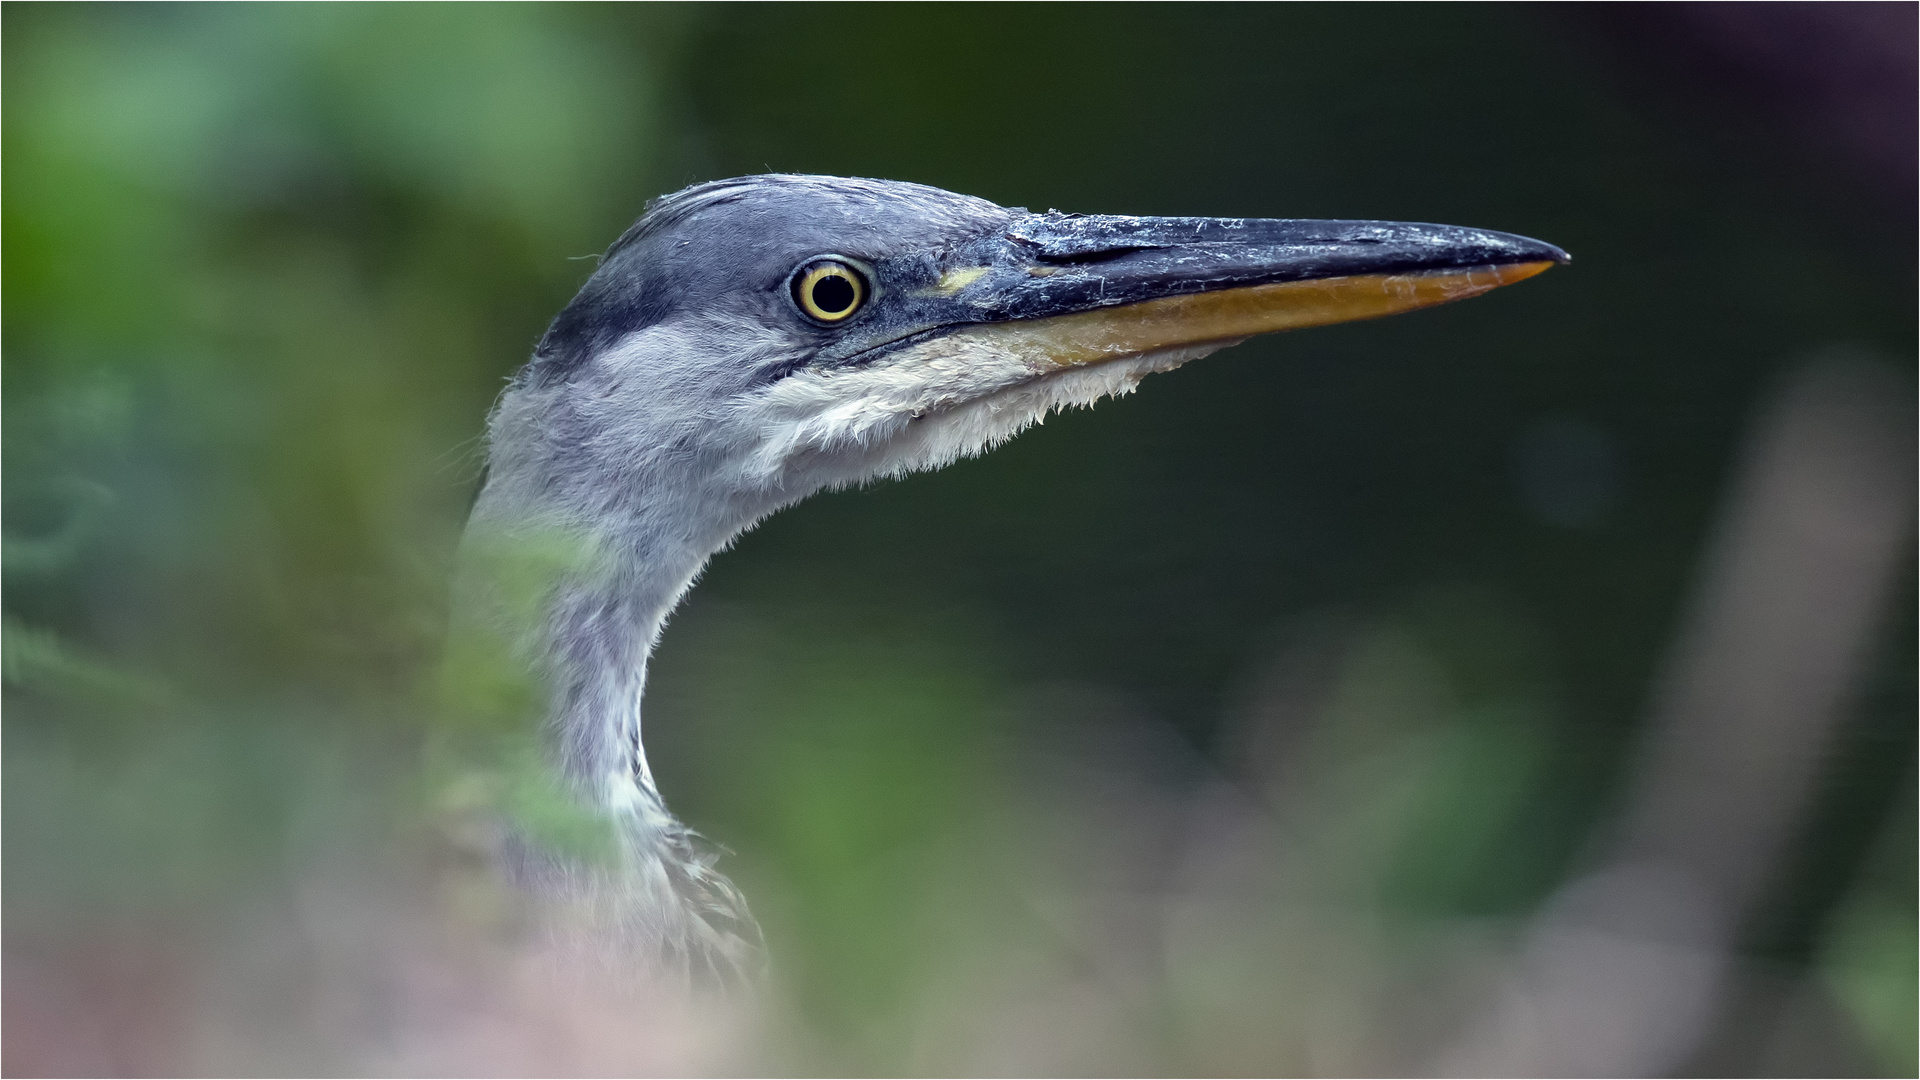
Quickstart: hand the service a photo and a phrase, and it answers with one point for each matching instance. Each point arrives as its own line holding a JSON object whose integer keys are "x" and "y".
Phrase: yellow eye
{"x": 829, "y": 290}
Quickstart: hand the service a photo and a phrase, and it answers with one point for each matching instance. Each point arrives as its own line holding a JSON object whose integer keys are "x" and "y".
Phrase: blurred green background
{"x": 266, "y": 267}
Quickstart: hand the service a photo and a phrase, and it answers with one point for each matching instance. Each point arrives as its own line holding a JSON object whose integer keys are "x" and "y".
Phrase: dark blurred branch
{"x": 1621, "y": 973}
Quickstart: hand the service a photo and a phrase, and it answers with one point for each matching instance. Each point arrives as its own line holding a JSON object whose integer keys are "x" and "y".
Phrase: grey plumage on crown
{"x": 705, "y": 240}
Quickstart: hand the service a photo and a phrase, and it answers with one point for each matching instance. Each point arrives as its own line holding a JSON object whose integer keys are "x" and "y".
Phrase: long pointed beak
{"x": 1065, "y": 290}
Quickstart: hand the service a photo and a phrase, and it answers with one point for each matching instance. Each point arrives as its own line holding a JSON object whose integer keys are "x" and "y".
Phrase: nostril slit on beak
{"x": 1079, "y": 257}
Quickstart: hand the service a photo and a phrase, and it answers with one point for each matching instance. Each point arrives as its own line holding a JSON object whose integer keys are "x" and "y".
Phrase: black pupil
{"x": 833, "y": 294}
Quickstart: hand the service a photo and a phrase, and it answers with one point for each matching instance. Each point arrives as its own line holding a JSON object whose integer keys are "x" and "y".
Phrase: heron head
{"x": 750, "y": 341}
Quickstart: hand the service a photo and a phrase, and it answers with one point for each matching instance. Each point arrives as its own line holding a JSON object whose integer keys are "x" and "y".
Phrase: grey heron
{"x": 749, "y": 342}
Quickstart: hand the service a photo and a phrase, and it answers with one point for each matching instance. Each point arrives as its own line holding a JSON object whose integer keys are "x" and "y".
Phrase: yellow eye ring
{"x": 829, "y": 290}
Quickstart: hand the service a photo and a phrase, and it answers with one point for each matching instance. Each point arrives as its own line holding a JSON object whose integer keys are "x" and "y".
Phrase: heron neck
{"x": 603, "y": 635}
{"x": 621, "y": 511}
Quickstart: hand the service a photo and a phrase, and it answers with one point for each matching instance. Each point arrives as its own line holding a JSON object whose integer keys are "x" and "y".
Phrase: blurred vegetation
{"x": 266, "y": 267}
